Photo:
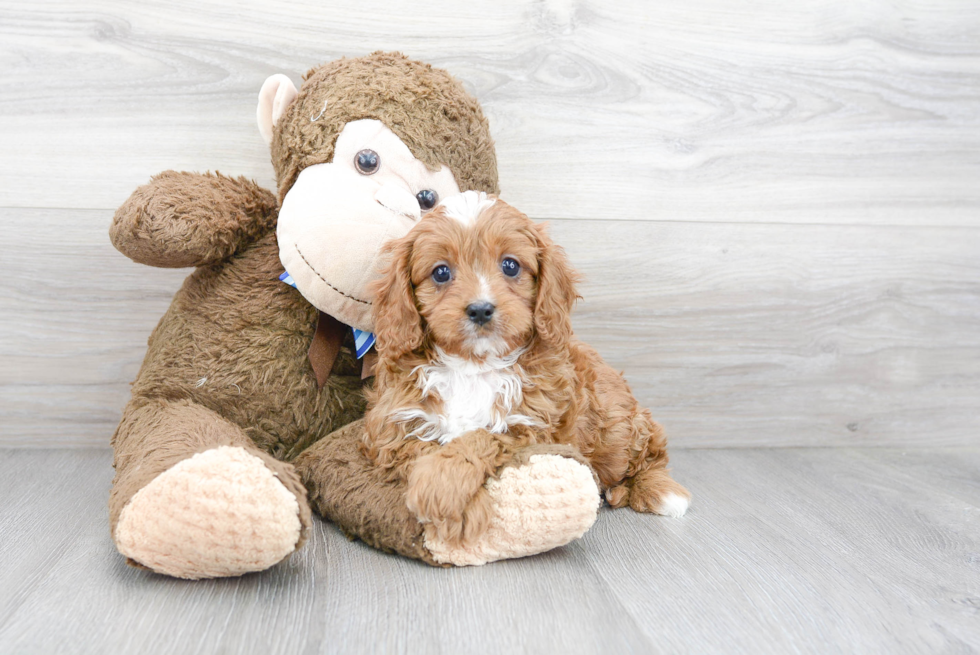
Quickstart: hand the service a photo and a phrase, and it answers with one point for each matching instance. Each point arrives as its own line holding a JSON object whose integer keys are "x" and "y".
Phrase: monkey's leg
{"x": 194, "y": 498}
{"x": 546, "y": 497}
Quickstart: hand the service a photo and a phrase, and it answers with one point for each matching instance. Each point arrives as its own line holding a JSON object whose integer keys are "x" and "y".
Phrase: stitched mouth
{"x": 323, "y": 279}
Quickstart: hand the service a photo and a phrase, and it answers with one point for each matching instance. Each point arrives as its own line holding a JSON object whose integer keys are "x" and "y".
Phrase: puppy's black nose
{"x": 480, "y": 312}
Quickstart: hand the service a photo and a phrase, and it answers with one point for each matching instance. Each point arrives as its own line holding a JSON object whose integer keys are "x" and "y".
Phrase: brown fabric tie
{"x": 325, "y": 348}
{"x": 326, "y": 344}
{"x": 368, "y": 363}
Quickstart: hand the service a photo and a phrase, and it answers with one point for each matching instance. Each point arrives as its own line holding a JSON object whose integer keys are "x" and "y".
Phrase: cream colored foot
{"x": 541, "y": 505}
{"x": 219, "y": 513}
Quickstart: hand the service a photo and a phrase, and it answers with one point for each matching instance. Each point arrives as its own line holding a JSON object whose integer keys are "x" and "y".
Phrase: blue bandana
{"x": 362, "y": 340}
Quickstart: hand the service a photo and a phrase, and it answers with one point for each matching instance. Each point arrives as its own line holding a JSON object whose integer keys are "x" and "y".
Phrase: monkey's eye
{"x": 367, "y": 162}
{"x": 441, "y": 274}
{"x": 510, "y": 267}
{"x": 427, "y": 199}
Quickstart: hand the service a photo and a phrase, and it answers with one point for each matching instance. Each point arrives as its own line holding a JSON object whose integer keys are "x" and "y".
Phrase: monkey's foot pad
{"x": 543, "y": 504}
{"x": 219, "y": 513}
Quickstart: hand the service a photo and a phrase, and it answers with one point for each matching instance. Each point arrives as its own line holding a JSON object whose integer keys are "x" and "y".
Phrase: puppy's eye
{"x": 367, "y": 162}
{"x": 441, "y": 274}
{"x": 427, "y": 199}
{"x": 510, "y": 267}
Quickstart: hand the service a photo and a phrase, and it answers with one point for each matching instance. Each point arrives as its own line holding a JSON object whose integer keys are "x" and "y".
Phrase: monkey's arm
{"x": 191, "y": 219}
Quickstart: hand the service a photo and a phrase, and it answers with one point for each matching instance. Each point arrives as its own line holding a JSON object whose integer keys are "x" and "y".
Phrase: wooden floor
{"x": 784, "y": 550}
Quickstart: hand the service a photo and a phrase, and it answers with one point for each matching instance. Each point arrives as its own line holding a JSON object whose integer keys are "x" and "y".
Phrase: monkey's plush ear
{"x": 278, "y": 92}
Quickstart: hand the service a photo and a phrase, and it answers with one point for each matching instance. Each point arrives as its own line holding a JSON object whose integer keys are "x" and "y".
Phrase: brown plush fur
{"x": 233, "y": 344}
{"x": 189, "y": 219}
{"x": 571, "y": 395}
{"x": 227, "y": 364}
{"x": 352, "y": 492}
{"x": 156, "y": 434}
{"x": 425, "y": 107}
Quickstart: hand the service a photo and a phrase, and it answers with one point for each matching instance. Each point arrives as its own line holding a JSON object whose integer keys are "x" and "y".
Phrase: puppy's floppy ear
{"x": 397, "y": 322}
{"x": 556, "y": 292}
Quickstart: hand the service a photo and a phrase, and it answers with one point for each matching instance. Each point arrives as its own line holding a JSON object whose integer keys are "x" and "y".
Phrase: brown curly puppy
{"x": 478, "y": 360}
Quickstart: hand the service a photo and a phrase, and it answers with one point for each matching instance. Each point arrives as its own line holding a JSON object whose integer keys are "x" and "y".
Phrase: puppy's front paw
{"x": 544, "y": 501}
{"x": 466, "y": 528}
{"x": 444, "y": 492}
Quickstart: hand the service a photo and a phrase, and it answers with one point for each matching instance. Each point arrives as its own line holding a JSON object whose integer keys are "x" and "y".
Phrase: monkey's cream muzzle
{"x": 334, "y": 220}
{"x": 332, "y": 226}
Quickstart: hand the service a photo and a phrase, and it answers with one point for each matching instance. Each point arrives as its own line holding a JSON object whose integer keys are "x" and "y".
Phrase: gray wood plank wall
{"x": 776, "y": 205}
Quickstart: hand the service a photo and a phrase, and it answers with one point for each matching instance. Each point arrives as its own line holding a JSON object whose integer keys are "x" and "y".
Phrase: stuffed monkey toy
{"x": 248, "y": 407}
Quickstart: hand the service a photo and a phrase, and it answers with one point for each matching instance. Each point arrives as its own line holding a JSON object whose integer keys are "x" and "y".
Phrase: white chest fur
{"x": 474, "y": 396}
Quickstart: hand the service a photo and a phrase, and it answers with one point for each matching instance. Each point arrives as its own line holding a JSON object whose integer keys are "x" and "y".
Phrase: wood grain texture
{"x": 784, "y": 550}
{"x": 775, "y": 206}
{"x": 808, "y": 112}
{"x": 733, "y": 335}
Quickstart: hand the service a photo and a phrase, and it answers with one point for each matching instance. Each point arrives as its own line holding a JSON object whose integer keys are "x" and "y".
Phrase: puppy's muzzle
{"x": 480, "y": 312}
